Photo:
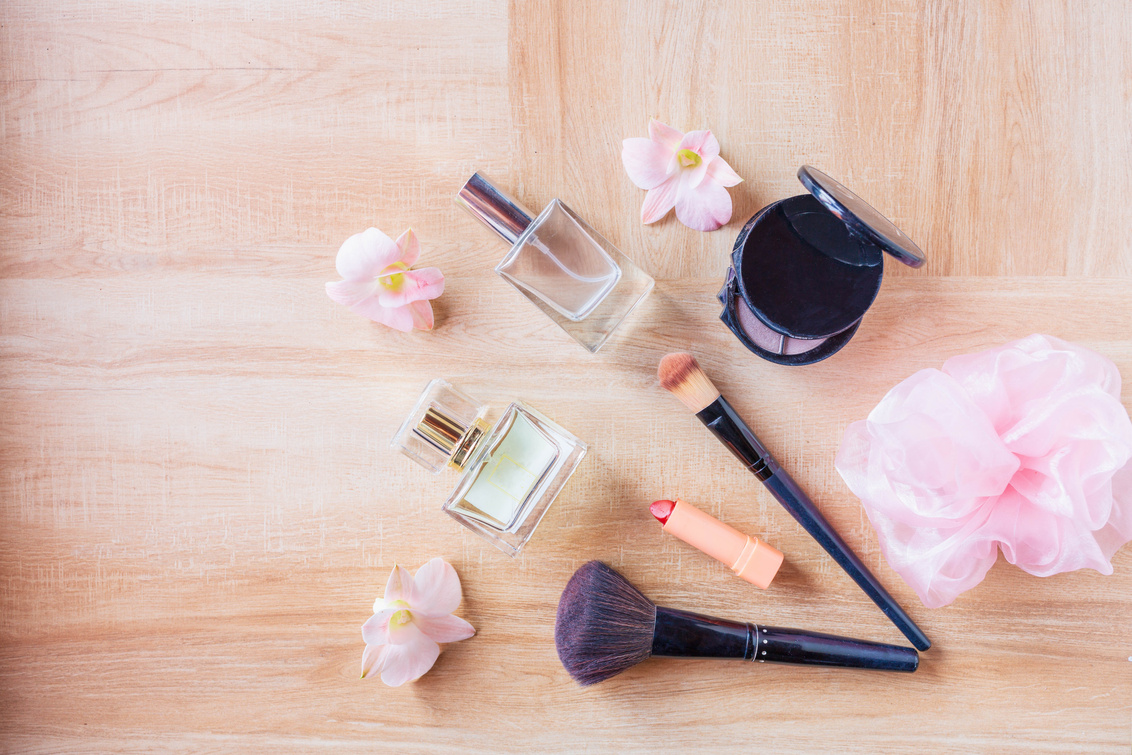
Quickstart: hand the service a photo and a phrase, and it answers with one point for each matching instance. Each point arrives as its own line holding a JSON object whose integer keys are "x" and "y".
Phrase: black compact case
{"x": 805, "y": 270}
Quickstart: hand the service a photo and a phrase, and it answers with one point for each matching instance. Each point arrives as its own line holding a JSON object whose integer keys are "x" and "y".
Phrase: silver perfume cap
{"x": 495, "y": 208}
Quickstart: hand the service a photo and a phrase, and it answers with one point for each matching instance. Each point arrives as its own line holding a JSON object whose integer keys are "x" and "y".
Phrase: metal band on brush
{"x": 733, "y": 432}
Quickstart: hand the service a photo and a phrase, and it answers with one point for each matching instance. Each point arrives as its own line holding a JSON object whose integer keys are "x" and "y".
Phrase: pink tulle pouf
{"x": 1023, "y": 447}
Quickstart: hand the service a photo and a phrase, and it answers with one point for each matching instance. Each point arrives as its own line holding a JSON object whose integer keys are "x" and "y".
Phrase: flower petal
{"x": 402, "y": 627}
{"x": 703, "y": 143}
{"x": 398, "y": 318}
{"x": 373, "y": 659}
{"x": 402, "y": 630}
{"x": 646, "y": 162}
{"x": 665, "y": 135}
{"x": 444, "y": 628}
{"x": 410, "y": 247}
{"x": 399, "y": 586}
{"x": 421, "y": 312}
{"x": 365, "y": 254}
{"x": 426, "y": 283}
{"x": 376, "y": 629}
{"x": 705, "y": 207}
{"x": 410, "y": 661}
{"x": 349, "y": 293}
{"x": 436, "y": 589}
{"x": 722, "y": 173}
{"x": 659, "y": 201}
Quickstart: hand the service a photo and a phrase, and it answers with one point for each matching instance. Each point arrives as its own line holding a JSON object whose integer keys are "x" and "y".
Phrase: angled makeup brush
{"x": 681, "y": 375}
{"x": 605, "y": 626}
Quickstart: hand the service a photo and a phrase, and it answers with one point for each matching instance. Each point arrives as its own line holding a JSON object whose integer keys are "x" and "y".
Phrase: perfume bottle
{"x": 560, "y": 263}
{"x": 510, "y": 471}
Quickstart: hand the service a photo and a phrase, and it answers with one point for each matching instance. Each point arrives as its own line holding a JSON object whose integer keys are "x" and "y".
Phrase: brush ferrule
{"x": 690, "y": 635}
{"x": 733, "y": 432}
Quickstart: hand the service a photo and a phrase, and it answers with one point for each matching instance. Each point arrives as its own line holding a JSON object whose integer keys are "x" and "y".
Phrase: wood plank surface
{"x": 198, "y": 503}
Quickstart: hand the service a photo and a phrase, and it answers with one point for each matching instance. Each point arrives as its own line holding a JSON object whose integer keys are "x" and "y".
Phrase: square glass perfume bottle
{"x": 510, "y": 472}
{"x": 570, "y": 272}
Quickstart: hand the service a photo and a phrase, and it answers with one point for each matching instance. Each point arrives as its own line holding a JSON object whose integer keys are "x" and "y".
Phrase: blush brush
{"x": 606, "y": 625}
{"x": 681, "y": 376}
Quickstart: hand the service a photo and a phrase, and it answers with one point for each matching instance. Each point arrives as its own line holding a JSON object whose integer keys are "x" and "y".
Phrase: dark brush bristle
{"x": 604, "y": 624}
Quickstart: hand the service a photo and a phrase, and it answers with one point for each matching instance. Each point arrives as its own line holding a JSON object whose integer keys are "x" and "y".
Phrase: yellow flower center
{"x": 391, "y": 281}
{"x": 688, "y": 158}
{"x": 401, "y": 617}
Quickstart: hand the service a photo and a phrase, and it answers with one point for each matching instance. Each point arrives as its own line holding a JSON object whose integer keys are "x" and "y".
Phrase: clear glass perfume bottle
{"x": 560, "y": 263}
{"x": 511, "y": 472}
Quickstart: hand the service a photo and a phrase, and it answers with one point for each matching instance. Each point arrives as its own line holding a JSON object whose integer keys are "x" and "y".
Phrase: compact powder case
{"x": 805, "y": 270}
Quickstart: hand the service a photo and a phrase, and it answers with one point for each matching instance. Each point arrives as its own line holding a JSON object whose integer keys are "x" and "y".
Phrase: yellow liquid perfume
{"x": 510, "y": 471}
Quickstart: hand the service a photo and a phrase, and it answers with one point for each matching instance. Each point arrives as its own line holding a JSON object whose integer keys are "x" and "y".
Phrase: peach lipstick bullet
{"x": 749, "y": 557}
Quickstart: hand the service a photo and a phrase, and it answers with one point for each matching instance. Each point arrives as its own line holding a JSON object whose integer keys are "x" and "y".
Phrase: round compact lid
{"x": 802, "y": 272}
{"x": 860, "y": 217}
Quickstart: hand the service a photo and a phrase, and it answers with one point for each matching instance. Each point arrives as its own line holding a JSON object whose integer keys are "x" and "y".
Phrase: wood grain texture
{"x": 198, "y": 504}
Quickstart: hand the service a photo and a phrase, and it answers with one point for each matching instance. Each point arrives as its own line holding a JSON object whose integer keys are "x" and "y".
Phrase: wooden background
{"x": 198, "y": 500}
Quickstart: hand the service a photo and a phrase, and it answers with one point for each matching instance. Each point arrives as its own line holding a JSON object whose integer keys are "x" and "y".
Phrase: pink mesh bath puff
{"x": 1023, "y": 447}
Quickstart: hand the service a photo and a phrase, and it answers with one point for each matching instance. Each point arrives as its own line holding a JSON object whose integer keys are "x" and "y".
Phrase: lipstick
{"x": 749, "y": 557}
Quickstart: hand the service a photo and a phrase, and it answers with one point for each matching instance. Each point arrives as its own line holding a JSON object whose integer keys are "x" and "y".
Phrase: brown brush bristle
{"x": 681, "y": 376}
{"x": 604, "y": 624}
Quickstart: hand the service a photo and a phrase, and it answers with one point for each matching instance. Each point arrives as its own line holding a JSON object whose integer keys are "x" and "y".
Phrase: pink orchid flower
{"x": 416, "y": 613}
{"x": 378, "y": 284}
{"x": 683, "y": 171}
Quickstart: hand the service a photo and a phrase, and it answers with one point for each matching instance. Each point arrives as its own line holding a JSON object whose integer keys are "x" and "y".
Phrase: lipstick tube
{"x": 750, "y": 558}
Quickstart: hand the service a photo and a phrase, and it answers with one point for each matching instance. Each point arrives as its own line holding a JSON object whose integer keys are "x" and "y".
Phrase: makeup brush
{"x": 605, "y": 626}
{"x": 681, "y": 375}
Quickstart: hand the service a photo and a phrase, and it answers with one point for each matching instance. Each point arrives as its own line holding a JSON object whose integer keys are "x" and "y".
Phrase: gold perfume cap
{"x": 443, "y": 428}
{"x": 440, "y": 430}
{"x": 449, "y": 436}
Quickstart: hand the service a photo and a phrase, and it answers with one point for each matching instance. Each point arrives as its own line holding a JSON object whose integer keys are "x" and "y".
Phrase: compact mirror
{"x": 860, "y": 216}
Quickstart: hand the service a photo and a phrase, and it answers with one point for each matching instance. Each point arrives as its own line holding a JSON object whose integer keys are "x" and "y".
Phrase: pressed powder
{"x": 772, "y": 340}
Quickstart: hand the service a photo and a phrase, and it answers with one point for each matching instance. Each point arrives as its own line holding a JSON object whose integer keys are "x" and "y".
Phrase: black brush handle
{"x": 733, "y": 432}
{"x": 682, "y": 634}
{"x": 777, "y": 645}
